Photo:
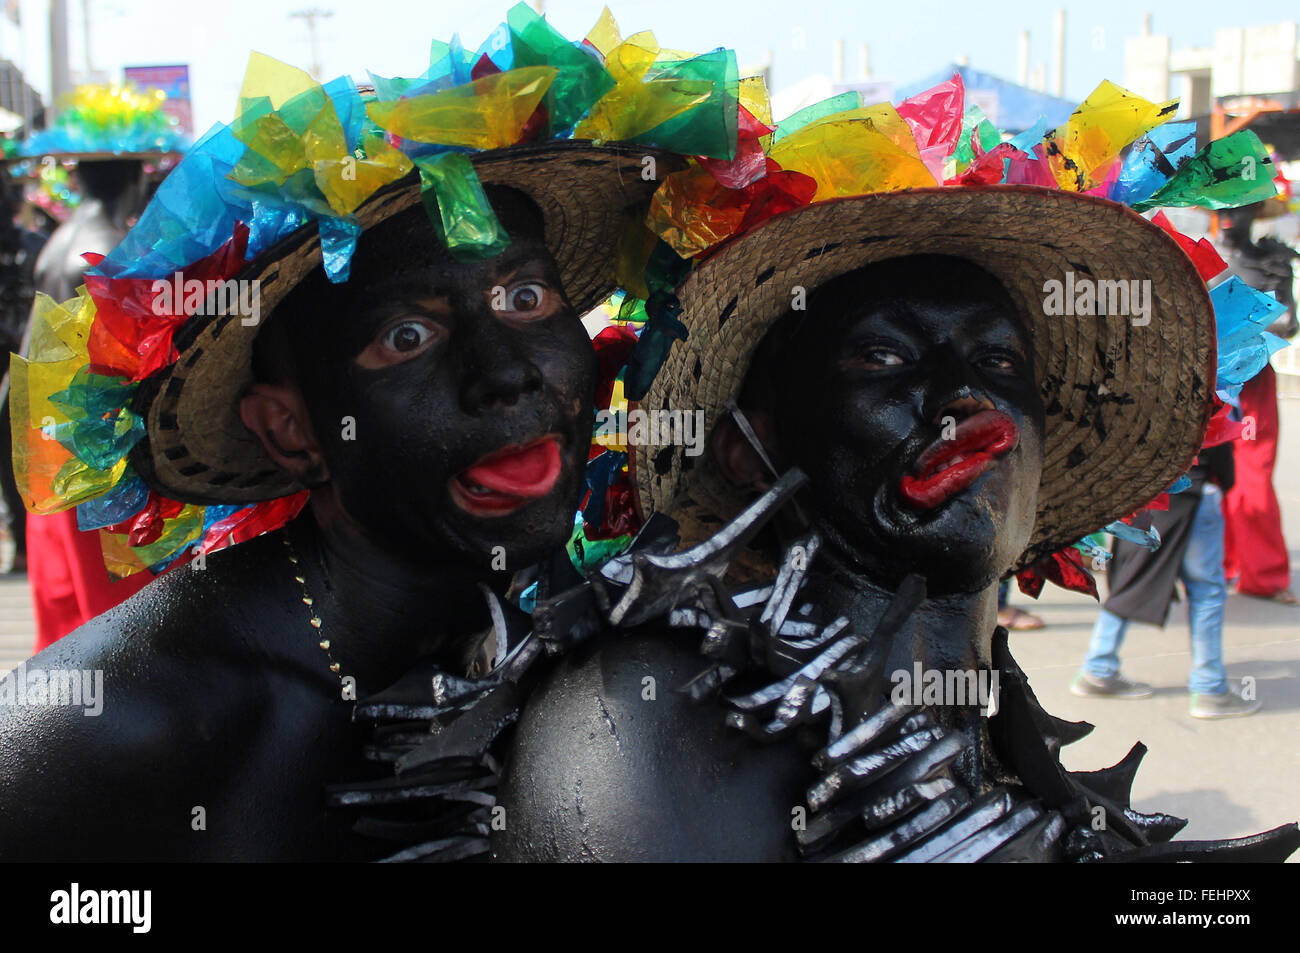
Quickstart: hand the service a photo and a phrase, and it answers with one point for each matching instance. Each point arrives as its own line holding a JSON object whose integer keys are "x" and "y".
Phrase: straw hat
{"x": 141, "y": 396}
{"x": 196, "y": 447}
{"x": 1127, "y": 405}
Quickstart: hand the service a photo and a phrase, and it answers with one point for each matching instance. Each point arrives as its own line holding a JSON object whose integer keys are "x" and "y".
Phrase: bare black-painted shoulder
{"x": 214, "y": 736}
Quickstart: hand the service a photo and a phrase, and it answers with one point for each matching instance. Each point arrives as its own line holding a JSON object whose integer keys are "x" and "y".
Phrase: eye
{"x": 876, "y": 357}
{"x": 407, "y": 336}
{"x": 527, "y": 299}
{"x": 1004, "y": 361}
{"x": 400, "y": 342}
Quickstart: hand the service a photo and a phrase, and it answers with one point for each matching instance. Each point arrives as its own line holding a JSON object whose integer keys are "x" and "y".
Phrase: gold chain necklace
{"x": 310, "y": 603}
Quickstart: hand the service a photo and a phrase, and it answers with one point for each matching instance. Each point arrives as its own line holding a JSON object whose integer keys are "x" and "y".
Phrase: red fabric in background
{"x": 1254, "y": 550}
{"x": 65, "y": 569}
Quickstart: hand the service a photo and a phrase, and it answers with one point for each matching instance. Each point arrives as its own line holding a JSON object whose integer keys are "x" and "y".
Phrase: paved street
{"x": 17, "y": 633}
{"x": 1230, "y": 778}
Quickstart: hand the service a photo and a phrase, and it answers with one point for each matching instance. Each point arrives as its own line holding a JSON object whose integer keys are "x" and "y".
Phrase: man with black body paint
{"x": 222, "y": 721}
{"x": 907, "y": 394}
{"x": 897, "y": 349}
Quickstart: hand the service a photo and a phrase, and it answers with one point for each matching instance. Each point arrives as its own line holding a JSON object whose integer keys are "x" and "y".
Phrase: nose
{"x": 961, "y": 404}
{"x": 498, "y": 370}
{"x": 955, "y": 392}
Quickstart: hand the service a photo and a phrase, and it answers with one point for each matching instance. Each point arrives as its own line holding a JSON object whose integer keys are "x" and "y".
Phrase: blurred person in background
{"x": 1142, "y": 589}
{"x": 19, "y": 247}
{"x": 1013, "y": 618}
{"x": 1255, "y": 550}
{"x": 65, "y": 566}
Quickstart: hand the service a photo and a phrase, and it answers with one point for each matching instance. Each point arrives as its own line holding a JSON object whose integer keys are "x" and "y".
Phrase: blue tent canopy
{"x": 1017, "y": 107}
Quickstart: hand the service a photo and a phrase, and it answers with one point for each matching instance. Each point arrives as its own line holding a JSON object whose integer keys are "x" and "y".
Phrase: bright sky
{"x": 908, "y": 40}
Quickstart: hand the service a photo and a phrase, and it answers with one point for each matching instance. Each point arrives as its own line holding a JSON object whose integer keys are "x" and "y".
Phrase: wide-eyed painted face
{"x": 452, "y": 400}
{"x": 906, "y": 392}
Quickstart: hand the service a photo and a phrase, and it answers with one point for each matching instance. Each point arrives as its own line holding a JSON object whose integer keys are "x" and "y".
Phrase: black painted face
{"x": 471, "y": 386}
{"x": 907, "y": 394}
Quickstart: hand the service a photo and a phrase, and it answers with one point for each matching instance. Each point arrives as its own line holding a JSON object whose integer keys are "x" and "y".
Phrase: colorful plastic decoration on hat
{"x": 1115, "y": 145}
{"x": 109, "y": 120}
{"x": 51, "y": 191}
{"x": 301, "y": 153}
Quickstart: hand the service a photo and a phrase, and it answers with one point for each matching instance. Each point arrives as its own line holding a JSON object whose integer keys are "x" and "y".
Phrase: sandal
{"x": 1285, "y": 596}
{"x": 1018, "y": 620}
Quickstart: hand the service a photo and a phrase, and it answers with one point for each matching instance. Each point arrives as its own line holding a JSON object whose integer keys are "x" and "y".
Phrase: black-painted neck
{"x": 382, "y": 612}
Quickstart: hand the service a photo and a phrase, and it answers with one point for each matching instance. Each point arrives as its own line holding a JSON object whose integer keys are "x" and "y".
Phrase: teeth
{"x": 945, "y": 465}
{"x": 476, "y": 489}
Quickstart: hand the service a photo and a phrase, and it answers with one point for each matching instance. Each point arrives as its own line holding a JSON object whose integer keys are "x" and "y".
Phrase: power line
{"x": 311, "y": 15}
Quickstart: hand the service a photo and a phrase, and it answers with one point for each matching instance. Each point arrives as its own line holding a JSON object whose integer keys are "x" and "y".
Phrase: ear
{"x": 736, "y": 458}
{"x": 277, "y": 414}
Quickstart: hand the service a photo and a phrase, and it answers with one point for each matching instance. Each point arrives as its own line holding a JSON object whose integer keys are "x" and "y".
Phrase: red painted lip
{"x": 947, "y": 467}
{"x": 509, "y": 478}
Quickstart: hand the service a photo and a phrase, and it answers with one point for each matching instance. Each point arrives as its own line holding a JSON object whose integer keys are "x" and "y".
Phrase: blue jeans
{"x": 1202, "y": 573}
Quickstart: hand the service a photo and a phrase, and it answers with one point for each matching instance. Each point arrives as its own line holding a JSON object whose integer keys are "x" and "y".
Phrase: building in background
{"x": 17, "y": 96}
{"x": 1244, "y": 64}
{"x": 1249, "y": 78}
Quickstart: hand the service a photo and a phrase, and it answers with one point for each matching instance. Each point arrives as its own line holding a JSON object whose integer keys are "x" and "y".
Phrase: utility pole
{"x": 59, "y": 81}
{"x": 85, "y": 34}
{"x": 311, "y": 16}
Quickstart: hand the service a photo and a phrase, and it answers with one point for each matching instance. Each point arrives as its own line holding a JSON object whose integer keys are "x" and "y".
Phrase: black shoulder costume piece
{"x": 880, "y": 781}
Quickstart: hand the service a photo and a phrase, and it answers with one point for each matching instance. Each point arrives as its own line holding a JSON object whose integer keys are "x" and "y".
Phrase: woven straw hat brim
{"x": 1127, "y": 406}
{"x": 196, "y": 448}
